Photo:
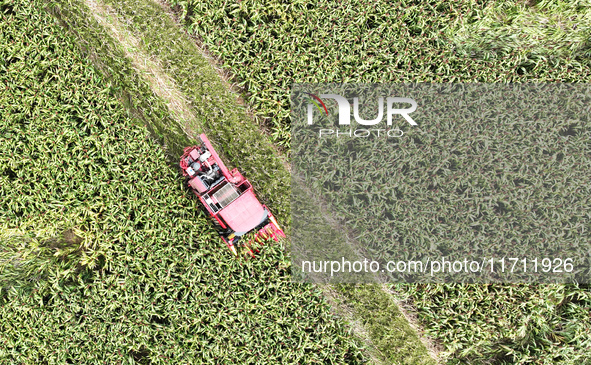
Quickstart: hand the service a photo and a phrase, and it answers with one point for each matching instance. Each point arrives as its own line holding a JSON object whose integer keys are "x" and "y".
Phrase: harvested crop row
{"x": 128, "y": 270}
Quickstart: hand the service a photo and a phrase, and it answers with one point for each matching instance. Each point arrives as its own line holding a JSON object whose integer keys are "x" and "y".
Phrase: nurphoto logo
{"x": 345, "y": 115}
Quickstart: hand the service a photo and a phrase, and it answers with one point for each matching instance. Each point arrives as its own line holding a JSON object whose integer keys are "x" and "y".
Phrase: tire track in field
{"x": 148, "y": 65}
{"x": 226, "y": 77}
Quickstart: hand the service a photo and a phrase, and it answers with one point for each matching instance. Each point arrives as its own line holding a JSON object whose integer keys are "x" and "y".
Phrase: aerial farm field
{"x": 106, "y": 258}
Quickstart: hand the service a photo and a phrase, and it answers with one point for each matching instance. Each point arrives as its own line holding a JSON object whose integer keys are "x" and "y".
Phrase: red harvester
{"x": 228, "y": 197}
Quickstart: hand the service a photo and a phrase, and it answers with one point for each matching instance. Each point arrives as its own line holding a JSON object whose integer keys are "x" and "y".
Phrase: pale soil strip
{"x": 225, "y": 77}
{"x": 346, "y": 312}
{"x": 408, "y": 312}
{"x": 160, "y": 83}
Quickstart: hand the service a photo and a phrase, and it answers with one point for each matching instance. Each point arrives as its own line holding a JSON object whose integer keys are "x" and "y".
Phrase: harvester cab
{"x": 228, "y": 197}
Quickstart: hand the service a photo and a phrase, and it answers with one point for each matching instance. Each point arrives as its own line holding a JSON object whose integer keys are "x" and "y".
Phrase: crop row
{"x": 479, "y": 178}
{"x": 217, "y": 113}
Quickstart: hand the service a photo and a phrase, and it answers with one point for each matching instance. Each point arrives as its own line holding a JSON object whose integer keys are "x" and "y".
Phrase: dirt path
{"x": 225, "y": 77}
{"x": 148, "y": 65}
{"x": 408, "y": 312}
